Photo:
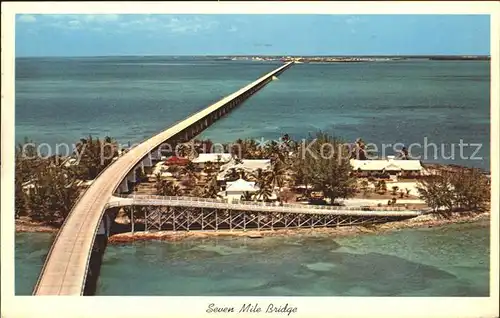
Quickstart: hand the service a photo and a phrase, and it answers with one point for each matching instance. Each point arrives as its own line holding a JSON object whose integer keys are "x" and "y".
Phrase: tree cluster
{"x": 47, "y": 188}
{"x": 323, "y": 162}
{"x": 461, "y": 189}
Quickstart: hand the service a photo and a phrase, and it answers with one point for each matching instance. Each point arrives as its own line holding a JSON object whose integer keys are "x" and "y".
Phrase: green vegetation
{"x": 47, "y": 188}
{"x": 324, "y": 163}
{"x": 463, "y": 189}
{"x": 95, "y": 156}
{"x": 167, "y": 187}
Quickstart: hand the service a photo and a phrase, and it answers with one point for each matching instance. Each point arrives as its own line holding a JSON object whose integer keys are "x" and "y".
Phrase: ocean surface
{"x": 451, "y": 260}
{"x": 414, "y": 102}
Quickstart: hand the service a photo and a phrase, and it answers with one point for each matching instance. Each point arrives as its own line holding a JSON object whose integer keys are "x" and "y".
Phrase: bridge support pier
{"x": 132, "y": 222}
{"x": 132, "y": 177}
{"x": 123, "y": 188}
{"x": 100, "y": 243}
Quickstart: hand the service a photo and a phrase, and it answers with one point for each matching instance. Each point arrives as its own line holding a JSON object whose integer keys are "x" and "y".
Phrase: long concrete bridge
{"x": 67, "y": 263}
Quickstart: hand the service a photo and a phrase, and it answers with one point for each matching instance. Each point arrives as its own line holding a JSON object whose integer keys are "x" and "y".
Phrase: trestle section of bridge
{"x": 179, "y": 218}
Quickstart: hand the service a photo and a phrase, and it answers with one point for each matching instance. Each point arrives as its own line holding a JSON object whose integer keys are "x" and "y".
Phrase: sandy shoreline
{"x": 424, "y": 221}
{"x": 23, "y": 225}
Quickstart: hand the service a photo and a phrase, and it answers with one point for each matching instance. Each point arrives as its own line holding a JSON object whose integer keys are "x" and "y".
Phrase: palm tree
{"x": 381, "y": 187}
{"x": 243, "y": 174}
{"x": 183, "y": 150}
{"x": 300, "y": 175}
{"x": 395, "y": 190}
{"x": 407, "y": 192}
{"x": 189, "y": 168}
{"x": 256, "y": 175}
{"x": 403, "y": 154}
{"x": 276, "y": 174}
{"x": 158, "y": 183}
{"x": 211, "y": 188}
{"x": 169, "y": 188}
{"x": 208, "y": 167}
{"x": 95, "y": 155}
{"x": 364, "y": 187}
{"x": 247, "y": 196}
{"x": 197, "y": 192}
{"x": 232, "y": 175}
{"x": 265, "y": 191}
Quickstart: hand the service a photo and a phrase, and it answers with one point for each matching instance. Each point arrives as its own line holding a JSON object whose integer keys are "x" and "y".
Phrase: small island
{"x": 250, "y": 171}
{"x": 354, "y": 59}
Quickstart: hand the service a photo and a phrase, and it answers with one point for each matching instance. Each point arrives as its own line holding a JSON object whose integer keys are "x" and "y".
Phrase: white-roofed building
{"x": 203, "y": 158}
{"x": 236, "y": 189}
{"x": 390, "y": 166}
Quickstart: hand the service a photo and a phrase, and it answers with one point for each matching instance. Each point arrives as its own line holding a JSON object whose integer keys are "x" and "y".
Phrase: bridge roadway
{"x": 153, "y": 200}
{"x": 66, "y": 265}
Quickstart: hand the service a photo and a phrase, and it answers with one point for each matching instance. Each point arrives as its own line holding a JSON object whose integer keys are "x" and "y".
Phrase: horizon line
{"x": 257, "y": 55}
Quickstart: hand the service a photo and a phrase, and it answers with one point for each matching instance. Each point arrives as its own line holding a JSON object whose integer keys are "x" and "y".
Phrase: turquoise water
{"x": 445, "y": 261}
{"x": 30, "y": 251}
{"x": 59, "y": 100}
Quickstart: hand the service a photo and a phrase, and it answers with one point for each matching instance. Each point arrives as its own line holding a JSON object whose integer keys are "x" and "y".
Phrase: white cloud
{"x": 233, "y": 29}
{"x": 74, "y": 24}
{"x": 190, "y": 25}
{"x": 82, "y": 21}
{"x": 123, "y": 23}
{"x": 85, "y": 17}
{"x": 352, "y": 20}
{"x": 168, "y": 25}
{"x": 101, "y": 17}
{"x": 26, "y": 18}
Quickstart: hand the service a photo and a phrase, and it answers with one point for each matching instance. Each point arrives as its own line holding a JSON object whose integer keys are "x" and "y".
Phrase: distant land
{"x": 360, "y": 58}
{"x": 296, "y": 58}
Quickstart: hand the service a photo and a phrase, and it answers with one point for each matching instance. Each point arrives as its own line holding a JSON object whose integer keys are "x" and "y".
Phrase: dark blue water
{"x": 445, "y": 261}
{"x": 59, "y": 100}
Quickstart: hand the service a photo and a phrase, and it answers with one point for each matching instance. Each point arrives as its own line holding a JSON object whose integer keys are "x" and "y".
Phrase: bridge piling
{"x": 132, "y": 221}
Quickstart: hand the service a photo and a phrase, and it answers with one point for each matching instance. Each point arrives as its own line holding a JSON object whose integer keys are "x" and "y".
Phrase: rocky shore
{"x": 425, "y": 221}
{"x": 26, "y": 225}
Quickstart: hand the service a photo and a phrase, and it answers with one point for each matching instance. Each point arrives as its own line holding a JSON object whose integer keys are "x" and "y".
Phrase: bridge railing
{"x": 271, "y": 206}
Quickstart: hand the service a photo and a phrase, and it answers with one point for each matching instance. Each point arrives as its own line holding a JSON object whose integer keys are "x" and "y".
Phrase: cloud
{"x": 100, "y": 18}
{"x": 26, "y": 18}
{"x": 97, "y": 18}
{"x": 114, "y": 23}
{"x": 92, "y": 22}
{"x": 352, "y": 20}
{"x": 233, "y": 29}
{"x": 172, "y": 25}
{"x": 189, "y": 25}
{"x": 74, "y": 24}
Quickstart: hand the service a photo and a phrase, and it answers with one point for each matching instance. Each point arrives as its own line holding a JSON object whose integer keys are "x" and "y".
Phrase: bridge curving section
{"x": 65, "y": 268}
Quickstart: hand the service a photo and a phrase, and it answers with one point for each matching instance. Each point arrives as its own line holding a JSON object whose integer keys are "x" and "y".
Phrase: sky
{"x": 203, "y": 34}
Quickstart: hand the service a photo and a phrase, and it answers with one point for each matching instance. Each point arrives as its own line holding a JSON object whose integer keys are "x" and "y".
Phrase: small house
{"x": 389, "y": 167}
{"x": 235, "y": 190}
